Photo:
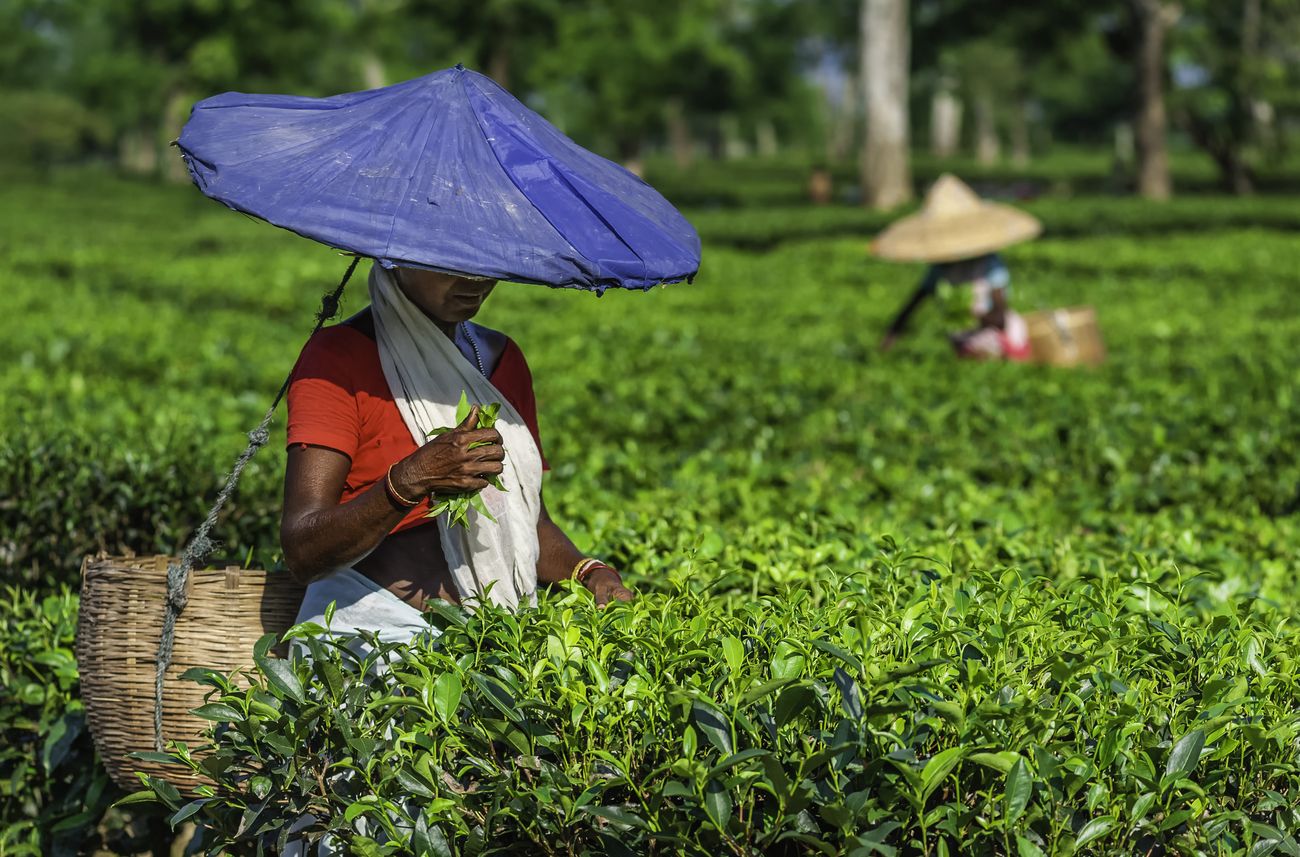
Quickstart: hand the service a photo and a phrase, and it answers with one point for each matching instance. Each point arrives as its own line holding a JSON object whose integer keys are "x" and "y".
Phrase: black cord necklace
{"x": 478, "y": 358}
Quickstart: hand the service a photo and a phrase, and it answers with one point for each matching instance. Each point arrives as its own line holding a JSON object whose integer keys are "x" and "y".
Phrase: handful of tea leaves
{"x": 457, "y": 506}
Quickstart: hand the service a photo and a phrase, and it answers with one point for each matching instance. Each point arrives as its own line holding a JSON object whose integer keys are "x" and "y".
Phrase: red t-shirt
{"x": 339, "y": 399}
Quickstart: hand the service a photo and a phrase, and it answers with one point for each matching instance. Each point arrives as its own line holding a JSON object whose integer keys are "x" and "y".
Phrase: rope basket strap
{"x": 201, "y": 545}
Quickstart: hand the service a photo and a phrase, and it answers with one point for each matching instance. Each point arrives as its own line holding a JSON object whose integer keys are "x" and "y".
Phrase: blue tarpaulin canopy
{"x": 447, "y": 171}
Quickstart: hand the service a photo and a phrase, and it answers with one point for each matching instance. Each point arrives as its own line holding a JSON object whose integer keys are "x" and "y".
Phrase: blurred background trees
{"x": 834, "y": 81}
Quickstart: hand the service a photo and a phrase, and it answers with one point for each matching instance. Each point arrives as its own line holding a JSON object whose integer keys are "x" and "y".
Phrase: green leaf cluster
{"x": 54, "y": 793}
{"x": 901, "y": 709}
{"x": 1066, "y": 600}
{"x": 457, "y": 506}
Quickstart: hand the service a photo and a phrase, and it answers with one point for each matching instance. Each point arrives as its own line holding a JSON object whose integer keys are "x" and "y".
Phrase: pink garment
{"x": 1010, "y": 343}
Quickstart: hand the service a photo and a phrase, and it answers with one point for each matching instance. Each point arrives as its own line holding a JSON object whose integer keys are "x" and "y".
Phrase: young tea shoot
{"x": 457, "y": 506}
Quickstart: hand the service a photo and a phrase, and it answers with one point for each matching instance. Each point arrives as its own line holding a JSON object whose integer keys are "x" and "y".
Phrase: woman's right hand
{"x": 456, "y": 462}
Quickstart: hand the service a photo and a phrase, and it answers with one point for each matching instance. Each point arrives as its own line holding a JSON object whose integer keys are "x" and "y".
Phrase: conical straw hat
{"x": 953, "y": 224}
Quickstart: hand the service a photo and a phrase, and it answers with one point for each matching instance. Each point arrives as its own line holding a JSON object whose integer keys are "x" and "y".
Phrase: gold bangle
{"x": 392, "y": 491}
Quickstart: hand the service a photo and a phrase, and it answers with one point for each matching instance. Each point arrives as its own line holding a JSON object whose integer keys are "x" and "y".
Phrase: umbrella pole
{"x": 178, "y": 574}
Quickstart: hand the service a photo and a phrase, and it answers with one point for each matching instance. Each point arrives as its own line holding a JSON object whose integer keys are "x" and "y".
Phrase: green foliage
{"x": 1240, "y": 87}
{"x": 457, "y": 506}
{"x": 143, "y": 495}
{"x": 600, "y": 70}
{"x": 54, "y": 794}
{"x": 51, "y": 789}
{"x": 1114, "y": 548}
{"x": 904, "y": 707}
{"x": 41, "y": 129}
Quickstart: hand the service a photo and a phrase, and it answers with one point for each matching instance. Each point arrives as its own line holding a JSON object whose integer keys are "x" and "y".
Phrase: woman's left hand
{"x": 607, "y": 586}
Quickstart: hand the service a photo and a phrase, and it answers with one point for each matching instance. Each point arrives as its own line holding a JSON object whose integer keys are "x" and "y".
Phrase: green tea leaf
{"x": 1025, "y": 848}
{"x": 618, "y": 815}
{"x": 186, "y": 811}
{"x": 1001, "y": 762}
{"x": 736, "y": 759}
{"x": 1020, "y": 785}
{"x": 1141, "y": 806}
{"x": 282, "y": 678}
{"x": 447, "y": 691}
{"x": 792, "y": 702}
{"x": 1094, "y": 829}
{"x": 219, "y": 712}
{"x": 938, "y": 768}
{"x": 718, "y": 804}
{"x": 754, "y": 694}
{"x": 850, "y": 696}
{"x": 734, "y": 652}
{"x": 357, "y": 808}
{"x": 1184, "y": 756}
{"x": 713, "y": 726}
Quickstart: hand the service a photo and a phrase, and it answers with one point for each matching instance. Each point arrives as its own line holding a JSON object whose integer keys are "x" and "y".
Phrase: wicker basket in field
{"x": 122, "y": 609}
{"x": 1066, "y": 337}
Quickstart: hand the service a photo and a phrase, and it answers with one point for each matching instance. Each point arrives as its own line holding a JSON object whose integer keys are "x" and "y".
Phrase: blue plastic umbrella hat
{"x": 447, "y": 172}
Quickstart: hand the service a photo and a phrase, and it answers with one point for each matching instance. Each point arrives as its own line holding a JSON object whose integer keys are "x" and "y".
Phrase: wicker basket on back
{"x": 122, "y": 609}
{"x": 140, "y": 613}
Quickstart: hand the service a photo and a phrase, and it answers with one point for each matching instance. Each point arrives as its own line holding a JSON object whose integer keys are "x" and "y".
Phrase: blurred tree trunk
{"x": 988, "y": 147}
{"x": 885, "y": 48}
{"x": 174, "y": 114}
{"x": 680, "y": 140}
{"x": 843, "y": 118}
{"x": 373, "y": 74}
{"x": 945, "y": 121}
{"x": 1256, "y": 111}
{"x": 1266, "y": 126}
{"x": 137, "y": 152}
{"x": 766, "y": 143}
{"x": 499, "y": 60}
{"x": 733, "y": 142}
{"x": 1123, "y": 156}
{"x": 1154, "y": 20}
{"x": 1262, "y": 114}
{"x": 1020, "y": 143}
{"x": 1125, "y": 146}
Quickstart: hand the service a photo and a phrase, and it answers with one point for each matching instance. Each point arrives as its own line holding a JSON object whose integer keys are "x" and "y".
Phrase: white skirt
{"x": 360, "y": 604}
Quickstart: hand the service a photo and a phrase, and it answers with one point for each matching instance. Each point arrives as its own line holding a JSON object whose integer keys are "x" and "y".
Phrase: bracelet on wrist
{"x": 587, "y": 567}
{"x": 393, "y": 493}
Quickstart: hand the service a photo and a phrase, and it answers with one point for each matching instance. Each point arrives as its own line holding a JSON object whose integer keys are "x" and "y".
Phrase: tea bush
{"x": 53, "y": 792}
{"x": 765, "y": 476}
{"x": 752, "y": 183}
{"x": 47, "y": 776}
{"x": 903, "y": 708}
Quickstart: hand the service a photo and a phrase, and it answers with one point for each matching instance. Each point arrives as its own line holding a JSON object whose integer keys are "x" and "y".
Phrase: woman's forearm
{"x": 557, "y": 555}
{"x": 319, "y": 542}
{"x": 899, "y": 324}
{"x": 996, "y": 317}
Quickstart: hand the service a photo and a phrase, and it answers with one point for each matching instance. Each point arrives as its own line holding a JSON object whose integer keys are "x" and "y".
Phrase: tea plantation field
{"x": 889, "y": 604}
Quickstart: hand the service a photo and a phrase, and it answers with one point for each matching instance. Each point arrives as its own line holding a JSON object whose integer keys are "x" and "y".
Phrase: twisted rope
{"x": 178, "y": 573}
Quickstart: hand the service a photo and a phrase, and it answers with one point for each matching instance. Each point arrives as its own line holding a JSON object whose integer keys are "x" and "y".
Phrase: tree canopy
{"x": 691, "y": 76}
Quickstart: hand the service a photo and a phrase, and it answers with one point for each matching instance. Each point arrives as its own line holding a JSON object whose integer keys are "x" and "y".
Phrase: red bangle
{"x": 589, "y": 569}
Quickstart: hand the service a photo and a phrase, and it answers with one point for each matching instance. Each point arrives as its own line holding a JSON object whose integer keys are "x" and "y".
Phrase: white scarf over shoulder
{"x": 427, "y": 374}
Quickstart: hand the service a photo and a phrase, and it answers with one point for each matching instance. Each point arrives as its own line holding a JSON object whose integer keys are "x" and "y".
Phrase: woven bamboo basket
{"x": 1066, "y": 337}
{"x": 122, "y": 608}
